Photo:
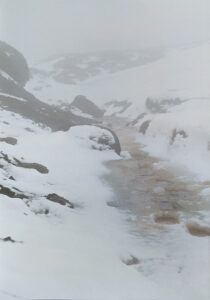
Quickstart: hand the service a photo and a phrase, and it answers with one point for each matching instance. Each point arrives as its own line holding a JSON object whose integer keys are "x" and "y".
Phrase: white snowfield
{"x": 183, "y": 73}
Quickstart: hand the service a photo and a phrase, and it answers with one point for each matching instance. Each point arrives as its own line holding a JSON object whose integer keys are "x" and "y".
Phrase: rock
{"x": 101, "y": 138}
{"x": 13, "y": 63}
{"x": 162, "y": 105}
{"x": 38, "y": 167}
{"x": 176, "y": 132}
{"x": 14, "y": 74}
{"x": 144, "y": 126}
{"x": 198, "y": 230}
{"x": 10, "y": 193}
{"x": 115, "y": 107}
{"x": 106, "y": 140}
{"x": 87, "y": 106}
{"x": 135, "y": 121}
{"x": 131, "y": 261}
{"x": 9, "y": 140}
{"x": 166, "y": 219}
{"x": 9, "y": 239}
{"x": 60, "y": 200}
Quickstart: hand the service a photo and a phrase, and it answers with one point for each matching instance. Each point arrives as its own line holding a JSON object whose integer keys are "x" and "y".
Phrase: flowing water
{"x": 158, "y": 197}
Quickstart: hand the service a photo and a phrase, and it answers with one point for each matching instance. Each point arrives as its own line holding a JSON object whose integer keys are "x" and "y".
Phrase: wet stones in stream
{"x": 198, "y": 230}
{"x": 166, "y": 219}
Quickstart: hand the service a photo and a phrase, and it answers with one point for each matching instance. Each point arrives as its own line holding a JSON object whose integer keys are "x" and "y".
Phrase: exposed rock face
{"x": 136, "y": 120}
{"x": 144, "y": 126}
{"x": 176, "y": 133}
{"x": 198, "y": 230}
{"x": 60, "y": 200}
{"x": 113, "y": 108}
{"x": 105, "y": 140}
{"x": 97, "y": 137}
{"x": 87, "y": 106}
{"x": 13, "y": 63}
{"x": 161, "y": 105}
{"x": 9, "y": 140}
{"x": 11, "y": 193}
{"x": 13, "y": 97}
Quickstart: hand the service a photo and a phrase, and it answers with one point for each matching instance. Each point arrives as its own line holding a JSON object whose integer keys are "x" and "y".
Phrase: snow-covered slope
{"x": 180, "y": 73}
{"x": 50, "y": 250}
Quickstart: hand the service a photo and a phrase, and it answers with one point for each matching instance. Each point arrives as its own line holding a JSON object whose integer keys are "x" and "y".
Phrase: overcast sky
{"x": 40, "y": 28}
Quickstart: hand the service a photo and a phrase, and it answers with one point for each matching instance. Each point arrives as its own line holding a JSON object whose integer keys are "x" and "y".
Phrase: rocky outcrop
{"x": 13, "y": 97}
{"x": 144, "y": 126}
{"x": 114, "y": 107}
{"x": 97, "y": 137}
{"x": 106, "y": 141}
{"x": 13, "y": 64}
{"x": 60, "y": 200}
{"x": 87, "y": 106}
{"x": 161, "y": 105}
{"x": 176, "y": 133}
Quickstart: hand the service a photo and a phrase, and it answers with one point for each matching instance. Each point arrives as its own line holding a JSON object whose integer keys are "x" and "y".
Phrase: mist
{"x": 40, "y": 28}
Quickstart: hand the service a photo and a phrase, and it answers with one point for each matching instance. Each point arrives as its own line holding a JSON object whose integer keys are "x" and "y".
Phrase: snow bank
{"x": 181, "y": 136}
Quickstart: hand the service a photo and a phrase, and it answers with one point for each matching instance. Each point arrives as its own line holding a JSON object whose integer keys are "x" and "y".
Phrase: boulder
{"x": 86, "y": 106}
{"x": 97, "y": 137}
{"x": 144, "y": 126}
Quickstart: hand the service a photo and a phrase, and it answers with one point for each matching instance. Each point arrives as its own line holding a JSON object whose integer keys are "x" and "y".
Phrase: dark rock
{"x": 38, "y": 167}
{"x": 131, "y": 261}
{"x": 135, "y": 121}
{"x": 105, "y": 140}
{"x": 198, "y": 230}
{"x": 176, "y": 132}
{"x": 10, "y": 193}
{"x": 9, "y": 239}
{"x": 12, "y": 178}
{"x": 144, "y": 126}
{"x": 13, "y": 63}
{"x": 122, "y": 105}
{"x": 9, "y": 140}
{"x": 161, "y": 106}
{"x": 13, "y": 76}
{"x": 16, "y": 162}
{"x": 167, "y": 219}
{"x": 60, "y": 200}
{"x": 87, "y": 106}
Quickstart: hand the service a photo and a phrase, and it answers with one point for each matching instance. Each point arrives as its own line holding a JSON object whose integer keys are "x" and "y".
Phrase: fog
{"x": 41, "y": 28}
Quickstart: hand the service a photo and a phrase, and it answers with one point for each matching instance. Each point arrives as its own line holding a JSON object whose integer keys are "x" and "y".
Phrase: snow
{"x": 79, "y": 253}
{"x": 7, "y": 76}
{"x": 192, "y": 151}
{"x": 181, "y": 73}
{"x": 84, "y": 247}
{"x": 76, "y": 111}
{"x": 13, "y": 97}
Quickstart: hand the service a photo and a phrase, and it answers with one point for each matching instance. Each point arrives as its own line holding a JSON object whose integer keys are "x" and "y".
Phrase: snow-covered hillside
{"x": 59, "y": 235}
{"x": 180, "y": 73}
